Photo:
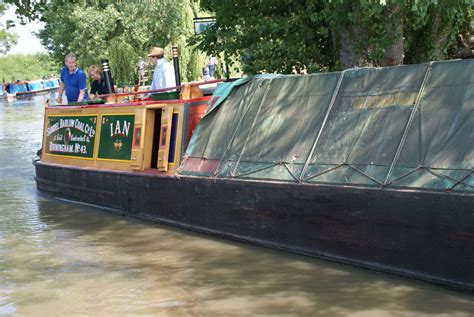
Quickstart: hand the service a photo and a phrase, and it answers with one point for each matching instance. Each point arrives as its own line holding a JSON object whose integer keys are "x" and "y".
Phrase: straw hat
{"x": 156, "y": 51}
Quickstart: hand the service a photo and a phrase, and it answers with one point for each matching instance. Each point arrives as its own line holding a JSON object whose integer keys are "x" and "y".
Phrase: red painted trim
{"x": 138, "y": 103}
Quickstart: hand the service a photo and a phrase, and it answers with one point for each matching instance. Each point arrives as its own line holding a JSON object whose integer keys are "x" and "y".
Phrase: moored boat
{"x": 372, "y": 167}
{"x": 23, "y": 89}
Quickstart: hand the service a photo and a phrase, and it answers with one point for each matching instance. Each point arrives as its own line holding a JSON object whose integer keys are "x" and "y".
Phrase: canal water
{"x": 63, "y": 259}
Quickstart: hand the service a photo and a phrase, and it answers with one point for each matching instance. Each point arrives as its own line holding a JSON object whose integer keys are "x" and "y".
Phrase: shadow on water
{"x": 226, "y": 271}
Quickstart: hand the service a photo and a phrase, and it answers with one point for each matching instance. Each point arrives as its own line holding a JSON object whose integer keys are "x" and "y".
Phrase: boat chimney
{"x": 107, "y": 76}
{"x": 176, "y": 66}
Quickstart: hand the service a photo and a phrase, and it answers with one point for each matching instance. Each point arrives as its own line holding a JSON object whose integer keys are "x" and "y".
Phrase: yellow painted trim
{"x": 71, "y": 157}
{"x": 112, "y": 160}
{"x": 97, "y": 139}
{"x": 73, "y": 115}
{"x": 117, "y": 113}
{"x": 178, "y": 139}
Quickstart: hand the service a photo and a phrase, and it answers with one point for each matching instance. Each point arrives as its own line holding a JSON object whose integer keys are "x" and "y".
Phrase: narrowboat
{"x": 371, "y": 167}
{"x": 25, "y": 89}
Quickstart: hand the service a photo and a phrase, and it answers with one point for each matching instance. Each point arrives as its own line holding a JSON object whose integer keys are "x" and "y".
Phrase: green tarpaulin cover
{"x": 408, "y": 126}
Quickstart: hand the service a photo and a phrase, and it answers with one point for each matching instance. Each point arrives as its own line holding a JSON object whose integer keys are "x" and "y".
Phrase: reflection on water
{"x": 59, "y": 258}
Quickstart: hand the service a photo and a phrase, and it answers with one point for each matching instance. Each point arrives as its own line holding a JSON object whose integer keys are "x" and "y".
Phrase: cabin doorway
{"x": 164, "y": 138}
{"x": 156, "y": 117}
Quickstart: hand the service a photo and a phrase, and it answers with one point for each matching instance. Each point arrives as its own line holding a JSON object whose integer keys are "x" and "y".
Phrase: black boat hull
{"x": 418, "y": 234}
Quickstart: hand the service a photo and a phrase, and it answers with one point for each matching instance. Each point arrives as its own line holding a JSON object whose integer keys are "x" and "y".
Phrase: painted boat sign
{"x": 116, "y": 137}
{"x": 71, "y": 135}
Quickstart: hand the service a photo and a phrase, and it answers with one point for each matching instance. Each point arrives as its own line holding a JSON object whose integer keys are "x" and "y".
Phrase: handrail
{"x": 161, "y": 89}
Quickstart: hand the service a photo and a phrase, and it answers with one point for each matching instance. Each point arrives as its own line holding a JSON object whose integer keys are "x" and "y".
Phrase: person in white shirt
{"x": 211, "y": 64}
{"x": 164, "y": 71}
{"x": 141, "y": 69}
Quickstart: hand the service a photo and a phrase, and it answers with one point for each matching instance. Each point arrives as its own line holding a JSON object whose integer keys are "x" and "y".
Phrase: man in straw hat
{"x": 164, "y": 71}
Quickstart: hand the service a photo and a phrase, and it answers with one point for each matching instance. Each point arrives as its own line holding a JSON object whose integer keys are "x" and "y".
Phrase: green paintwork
{"x": 71, "y": 135}
{"x": 116, "y": 137}
{"x": 169, "y": 95}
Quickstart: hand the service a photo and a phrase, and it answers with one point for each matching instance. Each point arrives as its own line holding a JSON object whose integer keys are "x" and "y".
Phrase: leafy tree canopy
{"x": 7, "y": 39}
{"x": 27, "y": 67}
{"x": 307, "y": 35}
{"x": 120, "y": 31}
{"x": 262, "y": 36}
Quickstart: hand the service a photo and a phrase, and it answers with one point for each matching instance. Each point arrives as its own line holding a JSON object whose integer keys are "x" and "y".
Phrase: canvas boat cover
{"x": 409, "y": 126}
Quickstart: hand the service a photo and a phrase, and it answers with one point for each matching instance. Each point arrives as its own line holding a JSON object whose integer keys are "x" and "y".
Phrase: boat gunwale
{"x": 152, "y": 173}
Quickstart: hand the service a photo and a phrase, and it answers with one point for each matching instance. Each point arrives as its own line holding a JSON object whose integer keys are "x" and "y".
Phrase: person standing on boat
{"x": 141, "y": 70}
{"x": 211, "y": 64}
{"x": 163, "y": 76}
{"x": 98, "y": 85}
{"x": 73, "y": 81}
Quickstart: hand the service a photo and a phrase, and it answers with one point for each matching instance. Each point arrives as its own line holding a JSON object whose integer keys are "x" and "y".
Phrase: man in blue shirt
{"x": 73, "y": 80}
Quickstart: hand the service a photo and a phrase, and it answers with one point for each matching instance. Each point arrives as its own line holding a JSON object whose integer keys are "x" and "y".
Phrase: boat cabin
{"x": 132, "y": 135}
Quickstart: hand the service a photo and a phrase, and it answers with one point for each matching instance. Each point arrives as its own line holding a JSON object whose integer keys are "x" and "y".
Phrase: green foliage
{"x": 269, "y": 36}
{"x": 27, "y": 67}
{"x": 366, "y": 23}
{"x": 122, "y": 62}
{"x": 284, "y": 36}
{"x": 27, "y": 9}
{"x": 307, "y": 35}
{"x": 434, "y": 27}
{"x": 7, "y": 39}
{"x": 93, "y": 29}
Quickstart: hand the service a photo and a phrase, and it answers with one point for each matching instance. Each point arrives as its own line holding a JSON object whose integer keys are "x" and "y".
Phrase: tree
{"x": 271, "y": 36}
{"x": 436, "y": 24}
{"x": 7, "y": 39}
{"x": 26, "y": 67}
{"x": 284, "y": 36}
{"x": 306, "y": 35}
{"x": 120, "y": 31}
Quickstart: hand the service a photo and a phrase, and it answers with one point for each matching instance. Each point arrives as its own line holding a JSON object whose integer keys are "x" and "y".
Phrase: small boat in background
{"x": 4, "y": 94}
{"x": 18, "y": 89}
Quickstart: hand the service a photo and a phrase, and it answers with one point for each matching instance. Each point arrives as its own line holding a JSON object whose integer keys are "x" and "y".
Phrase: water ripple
{"x": 61, "y": 259}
